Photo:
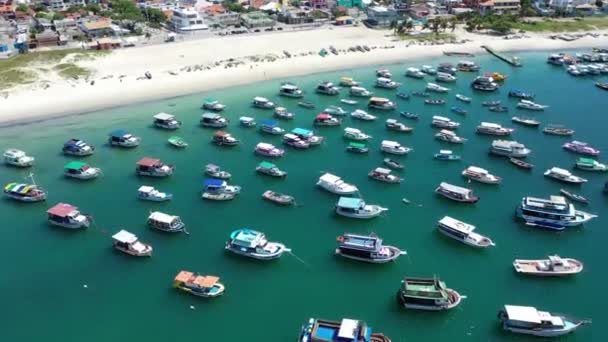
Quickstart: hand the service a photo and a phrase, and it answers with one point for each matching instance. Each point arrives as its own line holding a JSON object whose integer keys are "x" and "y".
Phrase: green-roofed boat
{"x": 268, "y": 168}
{"x": 81, "y": 170}
{"x": 357, "y": 148}
{"x": 589, "y": 164}
{"x": 427, "y": 294}
{"x": 213, "y": 104}
{"x": 177, "y": 142}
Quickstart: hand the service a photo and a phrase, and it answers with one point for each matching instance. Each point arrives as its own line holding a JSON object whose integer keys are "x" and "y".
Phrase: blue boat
{"x": 77, "y": 147}
{"x": 123, "y": 138}
{"x": 521, "y": 94}
{"x": 458, "y": 110}
{"x": 271, "y": 127}
{"x": 446, "y": 155}
{"x": 409, "y": 115}
{"x": 553, "y": 213}
{"x": 348, "y": 330}
{"x": 219, "y": 190}
{"x": 530, "y": 321}
{"x": 254, "y": 244}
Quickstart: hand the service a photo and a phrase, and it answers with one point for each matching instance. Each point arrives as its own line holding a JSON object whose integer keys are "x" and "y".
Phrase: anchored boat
{"x": 17, "y": 158}
{"x": 456, "y": 193}
{"x": 24, "y": 192}
{"x": 307, "y": 136}
{"x": 589, "y": 164}
{"x": 67, "y": 216}
{"x": 355, "y": 134}
{"x": 393, "y": 164}
{"x": 449, "y": 136}
{"x": 362, "y": 115}
{"x": 324, "y": 119}
{"x": 558, "y": 130}
{"x": 149, "y": 193}
{"x": 480, "y": 175}
{"x": 357, "y": 208}
{"x": 128, "y": 243}
{"x": 509, "y": 148}
{"x": 348, "y": 330}
{"x": 262, "y": 102}
{"x": 525, "y": 121}
{"x": 77, "y": 147}
{"x": 573, "y": 196}
{"x": 393, "y": 147}
{"x": 201, "y": 286}
{"x": 429, "y": 294}
{"x": 359, "y": 92}
{"x": 282, "y": 113}
{"x": 446, "y": 155}
{"x": 213, "y": 120}
{"x": 581, "y": 148}
{"x": 247, "y": 121}
{"x": 278, "y": 198}
{"x": 463, "y": 232}
{"x": 80, "y": 170}
{"x": 336, "y": 185}
{"x": 152, "y": 167}
{"x": 366, "y": 248}
{"x": 384, "y": 175}
{"x": 270, "y": 169}
{"x": 443, "y": 122}
{"x": 290, "y": 90}
{"x": 166, "y": 121}
{"x": 381, "y": 103}
{"x": 122, "y": 138}
{"x": 553, "y": 266}
{"x": 178, "y": 142}
{"x": 489, "y": 128}
{"x": 327, "y": 88}
{"x": 271, "y": 127}
{"x": 521, "y": 164}
{"x": 215, "y": 171}
{"x": 357, "y": 147}
{"x": 268, "y": 150}
{"x": 219, "y": 190}
{"x": 564, "y": 176}
{"x": 166, "y": 222}
{"x": 213, "y": 104}
{"x": 394, "y": 125}
{"x": 348, "y": 82}
{"x": 553, "y": 213}
{"x": 528, "y": 320}
{"x": 222, "y": 138}
{"x": 335, "y": 110}
{"x": 254, "y": 244}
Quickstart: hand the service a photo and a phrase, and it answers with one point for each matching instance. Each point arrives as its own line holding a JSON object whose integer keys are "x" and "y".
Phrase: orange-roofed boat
{"x": 496, "y": 76}
{"x": 198, "y": 285}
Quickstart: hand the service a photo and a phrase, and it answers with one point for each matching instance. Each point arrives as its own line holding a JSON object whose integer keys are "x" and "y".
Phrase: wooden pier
{"x": 513, "y": 61}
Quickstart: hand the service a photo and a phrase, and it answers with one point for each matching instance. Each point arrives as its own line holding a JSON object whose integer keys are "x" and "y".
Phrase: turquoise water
{"x": 125, "y": 298}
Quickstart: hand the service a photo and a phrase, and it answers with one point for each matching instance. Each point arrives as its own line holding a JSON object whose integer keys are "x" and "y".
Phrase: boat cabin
{"x": 166, "y": 222}
{"x": 290, "y": 90}
{"x": 270, "y": 126}
{"x": 224, "y": 138}
{"x": 214, "y": 185}
{"x": 77, "y": 147}
{"x": 350, "y": 204}
{"x": 18, "y": 158}
{"x": 362, "y": 246}
{"x": 455, "y": 228}
{"x": 456, "y": 193}
{"x": 153, "y": 167}
{"x": 262, "y": 102}
{"x": 527, "y": 317}
{"x": 213, "y": 104}
{"x": 127, "y": 242}
{"x": 424, "y": 292}
{"x": 247, "y": 121}
{"x": 67, "y": 216}
{"x": 24, "y": 192}
{"x": 76, "y": 168}
{"x": 123, "y": 138}
{"x": 380, "y": 103}
{"x": 204, "y": 286}
{"x": 167, "y": 121}
{"x": 213, "y": 120}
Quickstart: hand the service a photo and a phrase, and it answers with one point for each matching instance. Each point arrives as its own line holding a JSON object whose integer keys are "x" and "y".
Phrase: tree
{"x": 501, "y": 26}
{"x": 22, "y": 8}
{"x": 74, "y": 9}
{"x": 155, "y": 16}
{"x": 57, "y": 16}
{"x": 125, "y": 10}
{"x": 435, "y": 23}
{"x": 443, "y": 24}
{"x": 599, "y": 3}
{"x": 235, "y": 7}
{"x": 453, "y": 24}
{"x": 93, "y": 8}
{"x": 409, "y": 25}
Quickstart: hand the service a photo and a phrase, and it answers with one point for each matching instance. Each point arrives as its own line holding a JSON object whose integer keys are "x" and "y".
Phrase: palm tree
{"x": 435, "y": 25}
{"x": 453, "y": 24}
{"x": 409, "y": 25}
{"x": 443, "y": 24}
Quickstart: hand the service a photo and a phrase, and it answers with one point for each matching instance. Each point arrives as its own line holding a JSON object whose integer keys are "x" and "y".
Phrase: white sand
{"x": 63, "y": 97}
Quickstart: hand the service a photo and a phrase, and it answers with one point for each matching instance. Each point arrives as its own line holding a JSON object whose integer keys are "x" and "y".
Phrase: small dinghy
{"x": 404, "y": 96}
{"x": 421, "y": 94}
{"x": 498, "y": 109}
{"x": 393, "y": 164}
{"x": 278, "y": 198}
{"x": 573, "y": 196}
{"x": 553, "y": 266}
{"x": 177, "y": 142}
{"x": 521, "y": 164}
{"x": 409, "y": 115}
{"x": 459, "y": 110}
{"x": 491, "y": 103}
{"x": 463, "y": 98}
{"x": 215, "y": 171}
{"x": 434, "y": 102}
{"x": 306, "y": 104}
{"x": 349, "y": 102}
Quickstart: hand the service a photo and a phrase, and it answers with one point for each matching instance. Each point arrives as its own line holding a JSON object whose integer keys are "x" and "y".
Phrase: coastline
{"x": 185, "y": 68}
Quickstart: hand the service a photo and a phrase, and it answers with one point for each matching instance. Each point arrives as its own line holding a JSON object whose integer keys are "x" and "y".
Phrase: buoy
{"x": 192, "y": 307}
{"x": 85, "y": 286}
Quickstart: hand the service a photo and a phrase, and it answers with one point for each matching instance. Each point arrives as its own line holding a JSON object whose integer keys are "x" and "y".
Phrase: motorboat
{"x": 456, "y": 193}
{"x": 589, "y": 164}
{"x": 520, "y": 94}
{"x": 421, "y": 94}
{"x": 219, "y": 190}
{"x": 357, "y": 208}
{"x": 449, "y": 136}
{"x": 446, "y": 155}
{"x": 24, "y": 192}
{"x": 555, "y": 59}
{"x": 362, "y": 115}
{"x": 554, "y": 213}
{"x": 128, "y": 243}
{"x": 153, "y": 167}
{"x": 307, "y": 136}
{"x": 213, "y": 105}
{"x": 414, "y": 73}
{"x": 527, "y": 104}
{"x": 394, "y": 125}
{"x": 384, "y": 175}
{"x": 165, "y": 222}
{"x": 306, "y": 104}
{"x": 166, "y": 121}
{"x": 521, "y": 164}
{"x": 282, "y": 113}
{"x": 270, "y": 169}
{"x": 357, "y": 147}
{"x": 428, "y": 69}
{"x": 574, "y": 197}
{"x": 558, "y": 130}
{"x": 324, "y": 119}
{"x": 262, "y": 102}
{"x": 149, "y": 193}
{"x": 393, "y": 147}
{"x": 247, "y": 121}
{"x": 404, "y": 96}
{"x": 253, "y": 244}
{"x": 602, "y": 85}
{"x": 381, "y": 103}
{"x": 529, "y": 321}
{"x": 463, "y": 98}
{"x": 290, "y": 90}
{"x": 481, "y": 175}
{"x": 553, "y": 266}
{"x": 463, "y": 232}
{"x": 436, "y": 88}
{"x": 348, "y": 82}
{"x": 393, "y": 164}
{"x": 81, "y": 170}
{"x": 467, "y": 66}
{"x": 222, "y": 138}
{"x": 336, "y": 185}
{"x": 178, "y": 142}
{"x": 347, "y": 330}
{"x": 458, "y": 110}
{"x": 123, "y": 138}
{"x": 215, "y": 171}
{"x": 526, "y": 121}
{"x": 564, "y": 176}
{"x": 78, "y": 148}
{"x": 581, "y": 148}
{"x": 335, "y": 110}
{"x": 445, "y": 77}
{"x": 484, "y": 84}
{"x": 213, "y": 120}
{"x": 278, "y": 198}
{"x": 198, "y": 285}
{"x": 355, "y": 134}
{"x": 366, "y": 248}
{"x": 498, "y": 109}
{"x": 509, "y": 148}
{"x": 17, "y": 158}
{"x": 429, "y": 294}
{"x": 444, "y": 123}
{"x": 383, "y": 73}
{"x": 327, "y": 88}
{"x": 348, "y": 102}
{"x": 494, "y": 103}
{"x": 67, "y": 216}
{"x": 386, "y": 83}
{"x": 410, "y": 115}
{"x": 268, "y": 150}
{"x": 359, "y": 92}
{"x": 271, "y": 127}
{"x": 489, "y": 128}
{"x": 447, "y": 68}
{"x": 434, "y": 101}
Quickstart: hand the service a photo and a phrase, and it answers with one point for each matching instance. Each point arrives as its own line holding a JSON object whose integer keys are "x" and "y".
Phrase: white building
{"x": 62, "y": 5}
{"x": 568, "y": 5}
{"x": 187, "y": 20}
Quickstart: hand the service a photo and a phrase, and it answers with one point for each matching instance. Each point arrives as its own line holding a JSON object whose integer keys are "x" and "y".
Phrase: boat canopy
{"x": 323, "y": 116}
{"x": 260, "y": 99}
{"x": 247, "y": 237}
{"x": 440, "y": 118}
{"x": 164, "y": 117}
{"x": 554, "y": 203}
{"x": 392, "y": 144}
{"x": 74, "y": 165}
{"x": 221, "y": 134}
{"x": 210, "y": 116}
{"x": 424, "y": 288}
{"x": 206, "y": 282}
{"x": 350, "y": 202}
{"x": 74, "y": 143}
{"x": 267, "y": 165}
{"x": 183, "y": 277}
{"x": 587, "y": 161}
{"x": 329, "y": 178}
{"x": 560, "y": 172}
{"x": 246, "y": 119}
{"x": 356, "y": 145}
{"x": 19, "y": 188}
{"x": 301, "y": 131}
{"x": 352, "y": 130}
{"x": 490, "y": 125}
{"x": 457, "y": 225}
{"x": 145, "y": 189}
{"x": 161, "y": 217}
{"x": 124, "y": 236}
{"x": 445, "y": 152}
{"x": 119, "y": 133}
{"x": 289, "y": 86}
{"x": 61, "y": 210}
{"x": 348, "y": 329}
{"x": 149, "y": 162}
{"x": 382, "y": 170}
{"x": 291, "y": 136}
{"x": 454, "y": 188}
{"x": 379, "y": 99}
{"x": 523, "y": 314}
{"x": 264, "y": 146}
{"x": 211, "y": 101}
{"x": 476, "y": 169}
{"x": 214, "y": 183}
{"x": 269, "y": 123}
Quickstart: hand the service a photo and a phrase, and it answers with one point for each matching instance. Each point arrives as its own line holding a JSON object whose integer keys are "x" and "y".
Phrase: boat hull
{"x": 73, "y": 225}
{"x": 454, "y": 299}
{"x": 145, "y": 253}
{"x": 374, "y": 212}
{"x": 568, "y": 328}
{"x": 258, "y": 256}
{"x": 395, "y": 253}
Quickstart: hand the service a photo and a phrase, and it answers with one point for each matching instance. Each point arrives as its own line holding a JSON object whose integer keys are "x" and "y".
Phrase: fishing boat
{"x": 247, "y": 121}
{"x": 336, "y": 185}
{"x": 447, "y": 68}
{"x": 68, "y": 216}
{"x": 324, "y": 119}
{"x": 128, "y": 243}
{"x": 480, "y": 175}
{"x": 409, "y": 115}
{"x": 293, "y": 140}
{"x": 253, "y": 244}
{"x": 602, "y": 85}
{"x": 359, "y": 92}
{"x": 558, "y": 130}
{"x": 80, "y": 170}
{"x": 393, "y": 164}
{"x": 222, "y": 138}
{"x": 24, "y": 192}
{"x": 573, "y": 196}
{"x": 414, "y": 73}
{"x": 393, "y": 147}
{"x": 529, "y": 105}
{"x": 520, "y": 94}
{"x": 219, "y": 190}
{"x": 386, "y": 83}
{"x": 355, "y": 134}
{"x": 449, "y": 136}
{"x": 429, "y": 294}
{"x": 509, "y": 148}
{"x": 123, "y": 138}
{"x": 443, "y": 122}
{"x": 166, "y": 121}
{"x": 434, "y": 102}
{"x": 306, "y": 104}
{"x": 381, "y": 103}
{"x": 383, "y": 73}
{"x": 463, "y": 98}
{"x": 153, "y": 167}
{"x": 463, "y": 232}
{"x": 307, "y": 136}
{"x": 366, "y": 248}
{"x": 213, "y": 120}
{"x": 278, "y": 198}
{"x": 428, "y": 69}
{"x": 421, "y": 94}
{"x": 489, "y": 128}
{"x": 482, "y": 83}
{"x": 166, "y": 223}
{"x": 348, "y": 101}
{"x": 268, "y": 150}
{"x": 213, "y": 104}
{"x": 456, "y": 193}
{"x": 589, "y": 164}
{"x": 445, "y": 77}
{"x": 282, "y": 113}
{"x": 521, "y": 164}
{"x": 384, "y": 175}
{"x": 290, "y": 90}
{"x": 394, "y": 125}
{"x": 496, "y": 76}
{"x": 262, "y": 103}
{"x": 200, "y": 286}
{"x": 271, "y": 127}
{"x": 553, "y": 213}
{"x": 176, "y": 141}
{"x": 564, "y": 176}
{"x": 458, "y": 110}
{"x": 348, "y": 82}
{"x": 327, "y": 88}
{"x": 529, "y": 321}
{"x": 357, "y": 147}
{"x": 553, "y": 266}
{"x": 555, "y": 59}
{"x": 77, "y": 147}
{"x": 215, "y": 171}
{"x": 149, "y": 193}
{"x": 467, "y": 66}
{"x": 446, "y": 155}
{"x": 581, "y": 148}
{"x": 526, "y": 121}
{"x": 357, "y": 208}
{"x": 494, "y": 103}
{"x": 335, "y": 110}
{"x": 270, "y": 169}
{"x": 362, "y": 115}
{"x": 436, "y": 88}
{"x": 348, "y": 330}
{"x": 498, "y": 109}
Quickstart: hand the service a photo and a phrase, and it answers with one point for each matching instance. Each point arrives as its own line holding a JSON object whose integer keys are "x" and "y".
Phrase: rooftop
{"x": 522, "y": 313}
{"x": 350, "y": 202}
{"x": 125, "y": 237}
{"x": 61, "y": 210}
{"x": 149, "y": 162}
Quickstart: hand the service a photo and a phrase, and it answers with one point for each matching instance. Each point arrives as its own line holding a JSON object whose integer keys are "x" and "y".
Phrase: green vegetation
{"x": 562, "y": 25}
{"x": 22, "y": 8}
{"x": 427, "y": 37}
{"x": 13, "y": 77}
{"x": 69, "y": 70}
{"x": 235, "y": 6}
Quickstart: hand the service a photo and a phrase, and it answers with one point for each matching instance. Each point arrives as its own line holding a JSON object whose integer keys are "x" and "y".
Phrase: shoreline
{"x": 192, "y": 67}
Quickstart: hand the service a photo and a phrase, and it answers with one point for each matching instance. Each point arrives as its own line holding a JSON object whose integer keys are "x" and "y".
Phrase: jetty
{"x": 513, "y": 61}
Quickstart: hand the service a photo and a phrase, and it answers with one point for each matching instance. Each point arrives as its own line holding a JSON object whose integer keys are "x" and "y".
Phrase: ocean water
{"x": 45, "y": 269}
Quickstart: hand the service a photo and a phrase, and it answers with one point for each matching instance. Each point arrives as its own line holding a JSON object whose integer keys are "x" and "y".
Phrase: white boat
{"x": 166, "y": 121}
{"x": 383, "y": 73}
{"x": 81, "y": 170}
{"x": 282, "y": 113}
{"x": 386, "y": 83}
{"x": 381, "y": 103}
{"x": 149, "y": 193}
{"x": 553, "y": 213}
{"x": 28, "y": 193}
{"x": 553, "y": 266}
{"x": 480, "y": 175}
{"x": 456, "y": 193}
{"x": 362, "y": 115}
{"x": 463, "y": 232}
{"x": 489, "y": 128}
{"x": 393, "y": 147}
{"x": 219, "y": 190}
{"x": 428, "y": 69}
{"x": 324, "y": 119}
{"x": 128, "y": 243}
{"x": 247, "y": 121}
{"x": 463, "y": 98}
{"x": 529, "y": 321}
{"x": 290, "y": 90}
{"x": 271, "y": 127}
{"x": 348, "y": 82}
{"x": 307, "y": 136}
{"x": 213, "y": 120}
{"x": 77, "y": 147}
{"x": 355, "y": 134}
{"x": 123, "y": 138}
{"x": 394, "y": 125}
{"x": 262, "y": 102}
{"x": 327, "y": 88}
{"x": 348, "y": 101}
{"x": 335, "y": 110}
{"x": 588, "y": 164}
{"x": 293, "y": 140}
{"x": 445, "y": 77}
{"x": 68, "y": 216}
{"x": 17, "y": 158}
{"x": 564, "y": 176}
{"x": 414, "y": 73}
{"x": 357, "y": 208}
{"x": 483, "y": 83}
{"x": 152, "y": 167}
{"x": 166, "y": 222}
{"x": 527, "y": 104}
{"x": 384, "y": 175}
{"x": 336, "y": 185}
{"x": 443, "y": 122}
{"x": 268, "y": 150}
{"x": 509, "y": 148}
{"x": 467, "y": 66}
{"x": 253, "y": 244}
{"x": 436, "y": 88}
{"x": 449, "y": 136}
{"x": 214, "y": 105}
{"x": 359, "y": 92}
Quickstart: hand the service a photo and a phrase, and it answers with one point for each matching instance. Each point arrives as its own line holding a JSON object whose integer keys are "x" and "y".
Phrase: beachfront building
{"x": 256, "y": 20}
{"x": 97, "y": 27}
{"x": 381, "y": 16}
{"x": 62, "y": 5}
{"x": 419, "y": 11}
{"x": 499, "y": 7}
{"x": 187, "y": 20}
{"x": 218, "y": 15}
{"x": 568, "y": 6}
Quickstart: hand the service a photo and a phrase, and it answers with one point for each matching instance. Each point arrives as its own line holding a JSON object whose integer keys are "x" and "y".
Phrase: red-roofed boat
{"x": 153, "y": 168}
{"x": 67, "y": 216}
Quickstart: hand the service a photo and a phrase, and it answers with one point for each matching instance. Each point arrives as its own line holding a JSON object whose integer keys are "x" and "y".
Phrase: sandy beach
{"x": 195, "y": 66}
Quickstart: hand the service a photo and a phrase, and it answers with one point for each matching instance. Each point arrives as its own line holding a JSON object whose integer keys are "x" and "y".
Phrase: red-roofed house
{"x": 215, "y": 9}
{"x": 256, "y": 3}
